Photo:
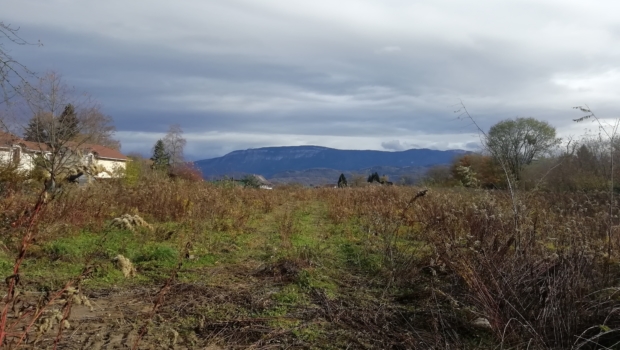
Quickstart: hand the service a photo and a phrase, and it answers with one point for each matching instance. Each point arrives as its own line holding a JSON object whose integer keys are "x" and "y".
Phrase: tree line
{"x": 167, "y": 159}
{"x": 527, "y": 153}
{"x": 168, "y": 151}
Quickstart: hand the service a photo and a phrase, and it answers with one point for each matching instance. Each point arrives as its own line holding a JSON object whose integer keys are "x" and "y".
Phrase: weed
{"x": 371, "y": 267}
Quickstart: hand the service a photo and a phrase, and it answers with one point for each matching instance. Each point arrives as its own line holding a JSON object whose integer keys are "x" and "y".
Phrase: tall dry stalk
{"x": 29, "y": 220}
{"x": 14, "y": 279}
{"x": 161, "y": 295}
{"x": 610, "y": 130}
{"x": 464, "y": 113}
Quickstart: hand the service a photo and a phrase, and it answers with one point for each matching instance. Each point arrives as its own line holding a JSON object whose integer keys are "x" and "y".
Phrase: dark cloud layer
{"x": 357, "y": 74}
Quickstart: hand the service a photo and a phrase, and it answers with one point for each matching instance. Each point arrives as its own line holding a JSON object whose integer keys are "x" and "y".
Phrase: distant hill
{"x": 318, "y": 165}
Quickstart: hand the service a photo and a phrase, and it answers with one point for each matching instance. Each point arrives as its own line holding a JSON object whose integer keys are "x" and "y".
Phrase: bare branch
{"x": 60, "y": 123}
{"x": 174, "y": 144}
{"x": 12, "y": 72}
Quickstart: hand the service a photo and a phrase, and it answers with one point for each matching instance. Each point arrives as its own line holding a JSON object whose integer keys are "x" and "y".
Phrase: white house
{"x": 108, "y": 162}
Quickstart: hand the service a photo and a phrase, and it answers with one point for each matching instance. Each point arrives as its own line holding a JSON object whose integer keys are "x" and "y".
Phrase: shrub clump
{"x": 130, "y": 222}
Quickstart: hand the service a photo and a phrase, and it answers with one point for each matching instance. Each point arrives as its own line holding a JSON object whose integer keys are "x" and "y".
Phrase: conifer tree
{"x": 374, "y": 177}
{"x": 36, "y": 130}
{"x": 46, "y": 128}
{"x": 342, "y": 181}
{"x": 68, "y": 123}
{"x": 161, "y": 159}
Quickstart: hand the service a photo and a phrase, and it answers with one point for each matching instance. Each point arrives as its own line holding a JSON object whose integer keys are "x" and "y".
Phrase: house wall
{"x": 26, "y": 159}
{"x": 111, "y": 166}
{"x": 5, "y": 156}
{"x": 26, "y": 162}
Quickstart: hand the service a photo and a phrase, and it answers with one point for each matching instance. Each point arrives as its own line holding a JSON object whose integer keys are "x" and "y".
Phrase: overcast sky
{"x": 383, "y": 74}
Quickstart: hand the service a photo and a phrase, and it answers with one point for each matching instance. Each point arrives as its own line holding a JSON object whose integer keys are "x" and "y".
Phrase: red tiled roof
{"x": 104, "y": 152}
{"x": 32, "y": 146}
{"x": 7, "y": 139}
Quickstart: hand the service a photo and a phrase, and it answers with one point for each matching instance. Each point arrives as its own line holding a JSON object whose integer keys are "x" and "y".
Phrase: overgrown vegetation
{"x": 159, "y": 258}
{"x": 373, "y": 267}
{"x": 525, "y": 154}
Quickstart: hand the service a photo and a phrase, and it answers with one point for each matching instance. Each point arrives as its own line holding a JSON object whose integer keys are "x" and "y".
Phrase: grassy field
{"x": 222, "y": 267}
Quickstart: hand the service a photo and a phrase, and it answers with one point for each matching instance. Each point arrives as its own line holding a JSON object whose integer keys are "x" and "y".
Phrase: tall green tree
{"x": 68, "y": 123}
{"x": 36, "y": 130}
{"x": 516, "y": 143}
{"x": 47, "y": 128}
{"x": 374, "y": 177}
{"x": 342, "y": 181}
{"x": 161, "y": 158}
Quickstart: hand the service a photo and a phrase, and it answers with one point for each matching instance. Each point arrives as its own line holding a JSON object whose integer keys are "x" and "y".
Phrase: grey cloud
{"x": 299, "y": 72}
{"x": 473, "y": 146}
{"x": 397, "y": 145}
{"x": 389, "y": 50}
{"x": 393, "y": 145}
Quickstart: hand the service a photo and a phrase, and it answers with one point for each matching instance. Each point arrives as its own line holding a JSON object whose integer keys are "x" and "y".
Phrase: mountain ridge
{"x": 270, "y": 161}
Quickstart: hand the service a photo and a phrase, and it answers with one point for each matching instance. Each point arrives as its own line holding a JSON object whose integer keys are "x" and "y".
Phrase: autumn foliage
{"x": 186, "y": 171}
{"x": 471, "y": 170}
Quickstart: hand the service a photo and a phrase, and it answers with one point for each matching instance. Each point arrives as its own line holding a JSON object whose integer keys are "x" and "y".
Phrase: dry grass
{"x": 370, "y": 267}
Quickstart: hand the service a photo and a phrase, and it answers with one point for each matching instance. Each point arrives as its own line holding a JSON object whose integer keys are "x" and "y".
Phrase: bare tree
{"x": 96, "y": 127}
{"x": 174, "y": 144}
{"x": 62, "y": 123}
{"x": 12, "y": 73}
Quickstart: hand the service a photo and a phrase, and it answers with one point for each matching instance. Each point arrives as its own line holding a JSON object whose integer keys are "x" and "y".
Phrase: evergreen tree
{"x": 36, "y": 130}
{"x": 342, "y": 181}
{"x": 161, "y": 159}
{"x": 67, "y": 124}
{"x": 47, "y": 128}
{"x": 374, "y": 177}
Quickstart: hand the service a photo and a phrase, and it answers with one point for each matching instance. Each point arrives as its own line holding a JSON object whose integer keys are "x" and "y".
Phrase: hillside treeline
{"x": 588, "y": 164}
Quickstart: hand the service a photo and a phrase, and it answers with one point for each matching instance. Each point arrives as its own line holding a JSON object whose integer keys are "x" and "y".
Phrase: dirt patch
{"x": 262, "y": 313}
{"x": 112, "y": 320}
{"x": 285, "y": 270}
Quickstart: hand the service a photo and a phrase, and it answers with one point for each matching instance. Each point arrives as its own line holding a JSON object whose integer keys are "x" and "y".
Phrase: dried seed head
{"x": 125, "y": 266}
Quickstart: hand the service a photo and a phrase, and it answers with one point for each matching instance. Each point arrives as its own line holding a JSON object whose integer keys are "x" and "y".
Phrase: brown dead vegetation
{"x": 367, "y": 268}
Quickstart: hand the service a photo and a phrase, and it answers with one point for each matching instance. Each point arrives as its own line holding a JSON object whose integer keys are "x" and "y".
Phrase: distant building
{"x": 255, "y": 181}
{"x": 108, "y": 162}
{"x": 263, "y": 183}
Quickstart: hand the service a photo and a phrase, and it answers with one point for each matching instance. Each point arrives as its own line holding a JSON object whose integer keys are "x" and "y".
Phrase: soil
{"x": 236, "y": 310}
